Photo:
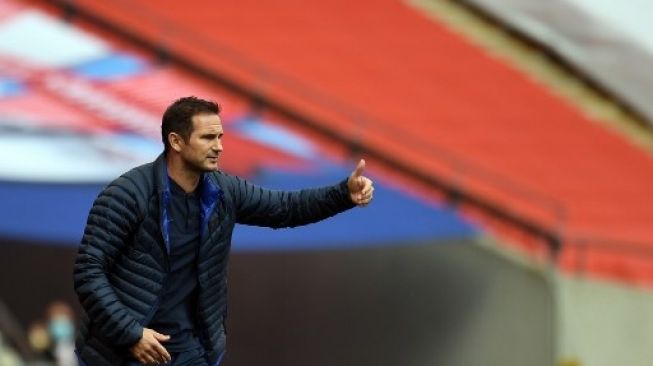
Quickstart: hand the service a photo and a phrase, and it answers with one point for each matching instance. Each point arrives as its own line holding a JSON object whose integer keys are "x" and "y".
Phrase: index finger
{"x": 165, "y": 356}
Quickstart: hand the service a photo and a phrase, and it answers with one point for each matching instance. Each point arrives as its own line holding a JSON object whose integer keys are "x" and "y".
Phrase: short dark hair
{"x": 178, "y": 117}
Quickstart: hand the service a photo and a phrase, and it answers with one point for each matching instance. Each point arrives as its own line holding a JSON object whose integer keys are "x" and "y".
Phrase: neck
{"x": 185, "y": 177}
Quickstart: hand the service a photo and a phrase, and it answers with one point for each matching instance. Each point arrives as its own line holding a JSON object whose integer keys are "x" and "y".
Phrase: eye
{"x": 211, "y": 136}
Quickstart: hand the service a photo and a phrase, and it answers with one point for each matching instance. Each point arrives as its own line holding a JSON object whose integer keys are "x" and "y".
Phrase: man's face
{"x": 204, "y": 146}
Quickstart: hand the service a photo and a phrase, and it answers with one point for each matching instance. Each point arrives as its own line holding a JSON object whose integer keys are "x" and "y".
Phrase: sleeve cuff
{"x": 344, "y": 195}
{"x": 134, "y": 335}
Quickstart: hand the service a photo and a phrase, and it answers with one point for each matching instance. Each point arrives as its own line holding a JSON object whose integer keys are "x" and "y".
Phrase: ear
{"x": 176, "y": 141}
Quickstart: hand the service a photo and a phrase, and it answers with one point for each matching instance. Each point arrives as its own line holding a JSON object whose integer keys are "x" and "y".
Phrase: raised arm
{"x": 263, "y": 207}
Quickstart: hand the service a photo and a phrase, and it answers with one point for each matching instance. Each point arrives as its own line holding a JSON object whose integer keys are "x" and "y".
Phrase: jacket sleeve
{"x": 111, "y": 222}
{"x": 278, "y": 209}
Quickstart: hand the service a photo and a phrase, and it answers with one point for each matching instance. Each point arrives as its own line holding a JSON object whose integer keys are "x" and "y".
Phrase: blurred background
{"x": 510, "y": 142}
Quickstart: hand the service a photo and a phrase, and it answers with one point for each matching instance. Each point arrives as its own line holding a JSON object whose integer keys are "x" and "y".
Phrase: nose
{"x": 218, "y": 145}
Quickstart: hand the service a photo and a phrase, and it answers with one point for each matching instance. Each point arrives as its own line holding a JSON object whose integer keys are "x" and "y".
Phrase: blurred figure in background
{"x": 39, "y": 339}
{"x": 151, "y": 269}
{"x": 61, "y": 328}
{"x": 52, "y": 340}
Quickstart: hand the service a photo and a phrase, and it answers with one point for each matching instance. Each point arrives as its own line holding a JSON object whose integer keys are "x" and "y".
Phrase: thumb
{"x": 359, "y": 168}
{"x": 161, "y": 337}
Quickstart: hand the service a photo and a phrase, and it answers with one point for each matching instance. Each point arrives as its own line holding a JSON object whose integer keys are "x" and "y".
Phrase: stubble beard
{"x": 198, "y": 166}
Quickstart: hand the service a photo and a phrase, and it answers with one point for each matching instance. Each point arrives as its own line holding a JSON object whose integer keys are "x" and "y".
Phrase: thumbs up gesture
{"x": 361, "y": 188}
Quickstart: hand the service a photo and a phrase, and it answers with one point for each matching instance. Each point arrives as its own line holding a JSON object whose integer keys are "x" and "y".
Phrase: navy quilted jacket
{"x": 122, "y": 261}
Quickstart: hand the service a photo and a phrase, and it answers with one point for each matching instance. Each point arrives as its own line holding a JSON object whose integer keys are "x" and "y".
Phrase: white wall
{"x": 604, "y": 324}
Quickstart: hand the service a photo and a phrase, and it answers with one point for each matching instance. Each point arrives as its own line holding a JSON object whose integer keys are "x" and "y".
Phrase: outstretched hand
{"x": 361, "y": 188}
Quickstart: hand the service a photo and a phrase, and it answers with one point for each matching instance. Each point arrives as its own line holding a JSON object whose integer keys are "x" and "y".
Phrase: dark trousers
{"x": 194, "y": 357}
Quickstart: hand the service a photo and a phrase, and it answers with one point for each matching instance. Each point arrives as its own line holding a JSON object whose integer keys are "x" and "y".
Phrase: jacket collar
{"x": 209, "y": 190}
{"x": 161, "y": 174}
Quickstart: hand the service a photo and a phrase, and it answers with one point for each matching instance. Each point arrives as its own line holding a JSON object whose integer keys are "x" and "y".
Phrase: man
{"x": 151, "y": 268}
